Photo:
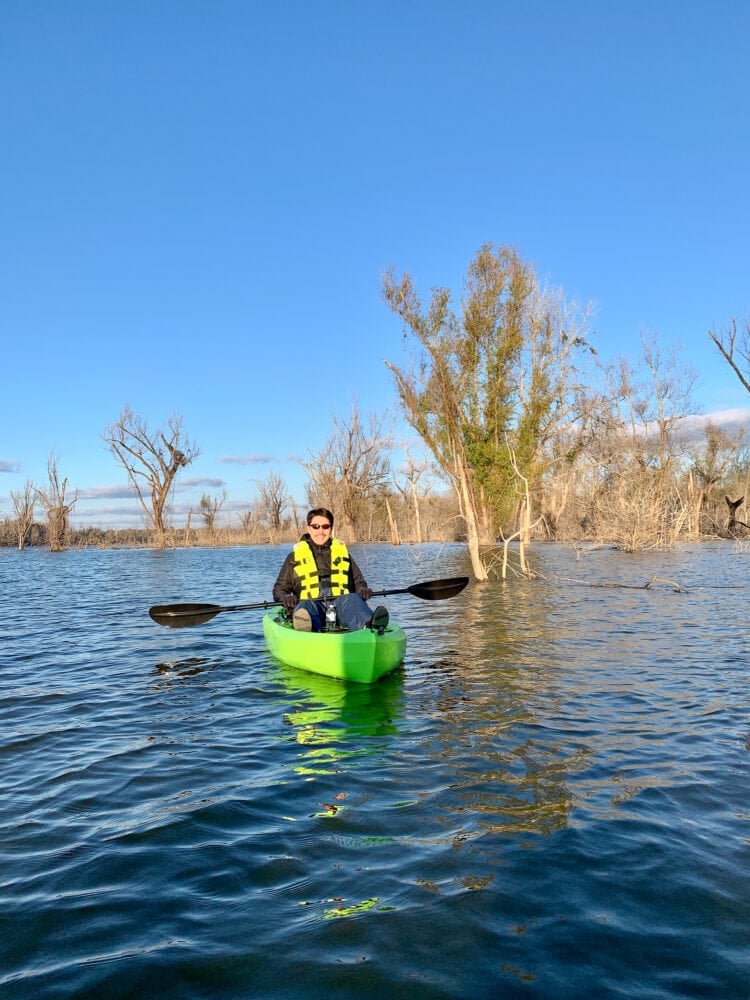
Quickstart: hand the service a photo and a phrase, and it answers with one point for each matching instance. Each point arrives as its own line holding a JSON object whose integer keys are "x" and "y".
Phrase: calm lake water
{"x": 550, "y": 799}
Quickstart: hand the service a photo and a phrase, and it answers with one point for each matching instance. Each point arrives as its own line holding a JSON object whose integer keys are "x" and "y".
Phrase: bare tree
{"x": 638, "y": 453}
{"x": 249, "y": 523}
{"x": 350, "y": 469}
{"x": 187, "y": 531}
{"x": 24, "y": 504}
{"x": 736, "y": 354}
{"x": 709, "y": 467}
{"x": 57, "y": 508}
{"x": 407, "y": 482}
{"x": 273, "y": 499}
{"x": 208, "y": 509}
{"x": 152, "y": 462}
{"x": 668, "y": 402}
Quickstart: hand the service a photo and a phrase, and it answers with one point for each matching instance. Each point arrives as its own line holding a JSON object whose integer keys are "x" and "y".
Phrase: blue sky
{"x": 198, "y": 200}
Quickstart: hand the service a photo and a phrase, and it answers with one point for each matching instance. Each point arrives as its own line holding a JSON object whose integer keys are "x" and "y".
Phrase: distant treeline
{"x": 631, "y": 516}
{"x": 77, "y": 537}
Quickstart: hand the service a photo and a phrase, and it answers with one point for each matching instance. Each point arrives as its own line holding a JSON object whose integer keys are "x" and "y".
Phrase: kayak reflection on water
{"x": 338, "y": 725}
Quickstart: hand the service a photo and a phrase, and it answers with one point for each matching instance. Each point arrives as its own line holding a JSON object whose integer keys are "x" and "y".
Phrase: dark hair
{"x": 319, "y": 512}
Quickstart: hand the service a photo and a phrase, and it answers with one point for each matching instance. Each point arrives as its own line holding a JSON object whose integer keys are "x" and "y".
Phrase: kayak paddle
{"x": 187, "y": 615}
{"x": 432, "y": 590}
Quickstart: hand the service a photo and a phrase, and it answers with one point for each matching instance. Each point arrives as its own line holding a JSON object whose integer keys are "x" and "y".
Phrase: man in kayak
{"x": 319, "y": 574}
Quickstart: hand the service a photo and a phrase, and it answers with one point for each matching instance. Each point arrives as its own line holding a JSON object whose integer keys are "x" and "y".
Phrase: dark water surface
{"x": 550, "y": 799}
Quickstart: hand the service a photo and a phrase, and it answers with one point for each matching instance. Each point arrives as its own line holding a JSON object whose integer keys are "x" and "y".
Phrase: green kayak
{"x": 363, "y": 656}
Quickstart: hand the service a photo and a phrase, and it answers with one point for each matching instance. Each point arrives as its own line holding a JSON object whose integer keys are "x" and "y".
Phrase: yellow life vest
{"x": 307, "y": 570}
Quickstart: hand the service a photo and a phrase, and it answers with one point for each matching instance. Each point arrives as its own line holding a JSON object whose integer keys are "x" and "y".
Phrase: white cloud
{"x": 247, "y": 459}
{"x": 731, "y": 420}
{"x": 202, "y": 481}
{"x": 120, "y": 492}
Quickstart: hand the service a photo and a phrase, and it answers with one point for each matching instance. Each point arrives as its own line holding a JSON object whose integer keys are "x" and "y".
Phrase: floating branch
{"x": 644, "y": 586}
{"x": 624, "y": 586}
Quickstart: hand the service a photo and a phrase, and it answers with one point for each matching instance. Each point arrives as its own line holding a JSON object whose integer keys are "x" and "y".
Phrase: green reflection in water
{"x": 350, "y": 911}
{"x": 336, "y": 723}
{"x": 495, "y": 701}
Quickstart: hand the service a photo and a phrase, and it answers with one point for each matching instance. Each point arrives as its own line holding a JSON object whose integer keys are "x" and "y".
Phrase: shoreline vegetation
{"x": 522, "y": 433}
{"x": 633, "y": 528}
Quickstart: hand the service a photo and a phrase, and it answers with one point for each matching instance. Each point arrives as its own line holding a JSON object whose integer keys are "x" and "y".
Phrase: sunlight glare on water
{"x": 549, "y": 799}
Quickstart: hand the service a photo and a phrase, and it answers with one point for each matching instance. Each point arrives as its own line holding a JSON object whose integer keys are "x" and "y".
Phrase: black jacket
{"x": 288, "y": 582}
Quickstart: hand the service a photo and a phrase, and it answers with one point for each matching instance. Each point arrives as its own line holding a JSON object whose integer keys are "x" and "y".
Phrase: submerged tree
{"x": 350, "y": 470}
{"x": 56, "y": 506}
{"x": 24, "y": 504}
{"x": 152, "y": 462}
{"x": 273, "y": 499}
{"x": 491, "y": 390}
{"x": 407, "y": 481}
{"x": 208, "y": 510}
{"x": 639, "y": 449}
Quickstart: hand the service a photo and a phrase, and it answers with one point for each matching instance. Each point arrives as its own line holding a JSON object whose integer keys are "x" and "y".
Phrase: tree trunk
{"x": 395, "y": 540}
{"x": 472, "y": 532}
{"x": 417, "y": 520}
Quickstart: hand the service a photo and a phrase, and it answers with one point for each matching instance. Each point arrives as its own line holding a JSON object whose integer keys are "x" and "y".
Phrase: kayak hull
{"x": 363, "y": 656}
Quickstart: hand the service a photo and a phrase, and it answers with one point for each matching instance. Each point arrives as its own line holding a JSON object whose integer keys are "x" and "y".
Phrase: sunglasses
{"x": 320, "y": 527}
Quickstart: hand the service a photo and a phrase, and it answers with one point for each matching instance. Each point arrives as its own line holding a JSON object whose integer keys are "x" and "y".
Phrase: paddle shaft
{"x": 187, "y": 615}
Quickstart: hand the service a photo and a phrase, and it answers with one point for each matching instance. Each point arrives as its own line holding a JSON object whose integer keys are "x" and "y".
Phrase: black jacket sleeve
{"x": 357, "y": 582}
{"x": 287, "y": 582}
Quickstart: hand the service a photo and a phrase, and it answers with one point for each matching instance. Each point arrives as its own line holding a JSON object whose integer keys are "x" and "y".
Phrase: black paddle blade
{"x": 183, "y": 615}
{"x": 439, "y": 590}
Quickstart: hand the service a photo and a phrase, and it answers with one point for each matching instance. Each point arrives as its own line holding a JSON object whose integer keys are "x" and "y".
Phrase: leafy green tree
{"x": 492, "y": 391}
